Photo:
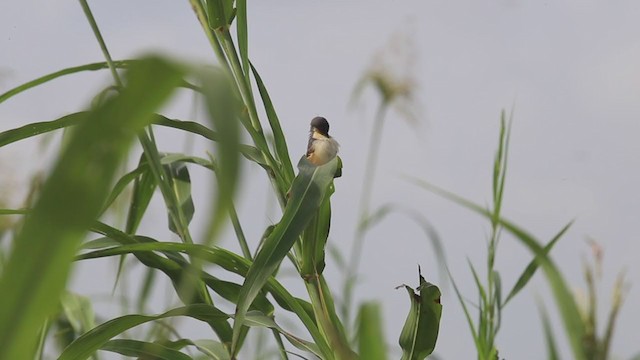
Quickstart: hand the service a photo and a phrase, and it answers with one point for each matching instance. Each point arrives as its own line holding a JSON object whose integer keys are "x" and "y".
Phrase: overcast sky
{"x": 568, "y": 69}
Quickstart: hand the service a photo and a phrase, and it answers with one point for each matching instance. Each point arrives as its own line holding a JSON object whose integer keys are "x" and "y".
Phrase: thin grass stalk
{"x": 365, "y": 199}
{"x": 103, "y": 45}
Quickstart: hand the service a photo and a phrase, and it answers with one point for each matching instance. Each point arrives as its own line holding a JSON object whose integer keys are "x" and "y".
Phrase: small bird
{"x": 322, "y": 148}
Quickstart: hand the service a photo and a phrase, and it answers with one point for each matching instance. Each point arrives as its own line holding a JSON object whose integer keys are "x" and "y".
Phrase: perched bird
{"x": 322, "y": 148}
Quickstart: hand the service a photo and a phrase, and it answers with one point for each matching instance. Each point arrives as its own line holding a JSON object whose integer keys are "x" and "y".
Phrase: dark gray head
{"x": 321, "y": 124}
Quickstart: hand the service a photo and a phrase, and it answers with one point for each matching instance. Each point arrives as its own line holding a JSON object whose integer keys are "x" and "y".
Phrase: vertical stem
{"x": 103, "y": 45}
{"x": 365, "y": 199}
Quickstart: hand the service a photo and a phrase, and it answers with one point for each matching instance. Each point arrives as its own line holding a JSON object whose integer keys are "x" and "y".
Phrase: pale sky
{"x": 569, "y": 69}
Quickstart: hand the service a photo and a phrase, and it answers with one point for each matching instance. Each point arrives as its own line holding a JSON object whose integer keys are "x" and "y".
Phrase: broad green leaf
{"x": 307, "y": 192}
{"x": 530, "y": 270}
{"x": 142, "y": 349}
{"x": 71, "y": 198}
{"x": 371, "y": 339}
{"x": 420, "y": 332}
{"x": 95, "y": 339}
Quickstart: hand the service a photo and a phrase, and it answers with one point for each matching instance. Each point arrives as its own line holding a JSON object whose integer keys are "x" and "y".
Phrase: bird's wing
{"x": 310, "y": 148}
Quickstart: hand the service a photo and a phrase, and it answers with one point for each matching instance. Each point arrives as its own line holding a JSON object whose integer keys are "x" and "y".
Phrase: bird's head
{"x": 321, "y": 125}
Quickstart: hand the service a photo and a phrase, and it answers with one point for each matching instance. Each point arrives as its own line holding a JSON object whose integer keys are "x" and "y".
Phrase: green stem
{"x": 326, "y": 318}
{"x": 365, "y": 199}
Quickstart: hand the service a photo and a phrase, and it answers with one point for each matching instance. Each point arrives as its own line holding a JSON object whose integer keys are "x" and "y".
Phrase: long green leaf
{"x": 278, "y": 135}
{"x": 530, "y": 270}
{"x": 552, "y": 349}
{"x": 143, "y": 349}
{"x": 70, "y": 200}
{"x": 33, "y": 129}
{"x": 95, "y": 339}
{"x": 143, "y": 188}
{"x": 307, "y": 192}
{"x": 72, "y": 70}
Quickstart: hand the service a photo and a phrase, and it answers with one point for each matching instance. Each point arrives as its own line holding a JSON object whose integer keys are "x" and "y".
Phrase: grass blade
{"x": 278, "y": 135}
{"x": 72, "y": 70}
{"x": 70, "y": 200}
{"x": 530, "y": 270}
{"x": 95, "y": 339}
{"x": 142, "y": 349}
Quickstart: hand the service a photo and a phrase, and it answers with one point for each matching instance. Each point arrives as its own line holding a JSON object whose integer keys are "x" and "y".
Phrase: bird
{"x": 322, "y": 148}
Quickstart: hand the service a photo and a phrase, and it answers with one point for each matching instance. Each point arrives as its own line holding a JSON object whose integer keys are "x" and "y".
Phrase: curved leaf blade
{"x": 143, "y": 349}
{"x": 95, "y": 339}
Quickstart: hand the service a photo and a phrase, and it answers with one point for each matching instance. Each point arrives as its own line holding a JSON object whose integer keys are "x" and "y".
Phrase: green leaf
{"x": 220, "y": 13}
{"x": 530, "y": 270}
{"x": 181, "y": 181}
{"x": 33, "y": 129}
{"x": 315, "y": 238}
{"x": 243, "y": 36}
{"x": 256, "y": 318}
{"x": 213, "y": 349}
{"x": 135, "y": 348}
{"x": 78, "y": 311}
{"x": 225, "y": 108}
{"x": 371, "y": 339}
{"x": 552, "y": 349}
{"x": 63, "y": 72}
{"x": 307, "y": 193}
{"x": 70, "y": 200}
{"x": 278, "y": 135}
{"x": 95, "y": 339}
{"x": 420, "y": 332}
{"x": 143, "y": 188}
{"x": 122, "y": 183}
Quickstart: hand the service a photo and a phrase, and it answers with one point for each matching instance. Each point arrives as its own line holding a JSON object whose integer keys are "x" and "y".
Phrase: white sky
{"x": 570, "y": 69}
